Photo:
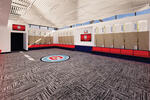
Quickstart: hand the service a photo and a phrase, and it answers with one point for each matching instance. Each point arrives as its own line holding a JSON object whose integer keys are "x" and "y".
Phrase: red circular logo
{"x": 55, "y": 57}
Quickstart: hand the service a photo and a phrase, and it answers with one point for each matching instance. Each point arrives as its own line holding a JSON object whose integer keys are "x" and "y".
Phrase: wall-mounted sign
{"x": 85, "y": 37}
{"x": 18, "y": 27}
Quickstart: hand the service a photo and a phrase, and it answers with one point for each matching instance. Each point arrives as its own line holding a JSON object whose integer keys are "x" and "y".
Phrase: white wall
{"x": 65, "y": 32}
{"x": 55, "y": 37}
{"x": 127, "y": 23}
{"x": 4, "y": 34}
{"x": 25, "y": 33}
{"x": 80, "y": 31}
{"x": 39, "y": 32}
{"x": 143, "y": 21}
{"x": 5, "y": 29}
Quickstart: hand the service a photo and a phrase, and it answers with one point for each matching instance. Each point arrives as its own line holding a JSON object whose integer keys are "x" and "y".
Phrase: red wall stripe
{"x": 51, "y": 45}
{"x": 137, "y": 53}
{"x": 115, "y": 51}
{"x": 127, "y": 52}
{"x": 100, "y": 49}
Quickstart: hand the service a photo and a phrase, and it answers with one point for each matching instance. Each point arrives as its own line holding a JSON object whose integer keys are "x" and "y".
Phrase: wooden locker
{"x": 31, "y": 40}
{"x": 109, "y": 40}
{"x": 99, "y": 40}
{"x": 143, "y": 40}
{"x": 72, "y": 40}
{"x": 60, "y": 40}
{"x": 36, "y": 39}
{"x": 47, "y": 40}
{"x": 51, "y": 40}
{"x": 131, "y": 40}
{"x": 63, "y": 40}
{"x": 66, "y": 40}
{"x": 119, "y": 40}
{"x": 69, "y": 40}
{"x": 42, "y": 40}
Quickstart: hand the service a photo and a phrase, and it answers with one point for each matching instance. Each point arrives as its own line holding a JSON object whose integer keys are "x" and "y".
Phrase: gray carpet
{"x": 84, "y": 76}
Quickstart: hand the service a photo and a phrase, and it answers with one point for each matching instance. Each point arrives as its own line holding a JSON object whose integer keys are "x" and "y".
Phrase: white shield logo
{"x": 85, "y": 37}
{"x": 19, "y": 27}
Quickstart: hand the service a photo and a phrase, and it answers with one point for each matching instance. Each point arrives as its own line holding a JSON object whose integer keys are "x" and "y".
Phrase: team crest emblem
{"x": 19, "y": 27}
{"x": 55, "y": 58}
{"x": 85, "y": 37}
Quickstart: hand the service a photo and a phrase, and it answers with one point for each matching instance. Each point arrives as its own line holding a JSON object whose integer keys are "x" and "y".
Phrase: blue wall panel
{"x": 147, "y": 11}
{"x": 83, "y": 48}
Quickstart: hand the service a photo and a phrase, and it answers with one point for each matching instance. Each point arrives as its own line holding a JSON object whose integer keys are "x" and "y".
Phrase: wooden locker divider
{"x": 131, "y": 40}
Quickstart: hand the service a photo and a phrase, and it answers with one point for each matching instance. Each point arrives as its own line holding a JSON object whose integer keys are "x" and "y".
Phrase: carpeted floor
{"x": 84, "y": 76}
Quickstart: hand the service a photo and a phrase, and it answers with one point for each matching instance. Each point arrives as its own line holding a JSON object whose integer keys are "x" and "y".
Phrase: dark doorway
{"x": 17, "y": 41}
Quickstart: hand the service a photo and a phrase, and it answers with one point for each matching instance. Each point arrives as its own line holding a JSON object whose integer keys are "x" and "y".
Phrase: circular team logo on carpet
{"x": 55, "y": 58}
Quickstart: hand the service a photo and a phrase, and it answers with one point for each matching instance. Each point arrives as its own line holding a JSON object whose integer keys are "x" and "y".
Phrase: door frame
{"x": 25, "y": 43}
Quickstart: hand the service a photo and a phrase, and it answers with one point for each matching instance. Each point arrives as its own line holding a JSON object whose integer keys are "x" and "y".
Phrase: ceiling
{"x": 60, "y": 13}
